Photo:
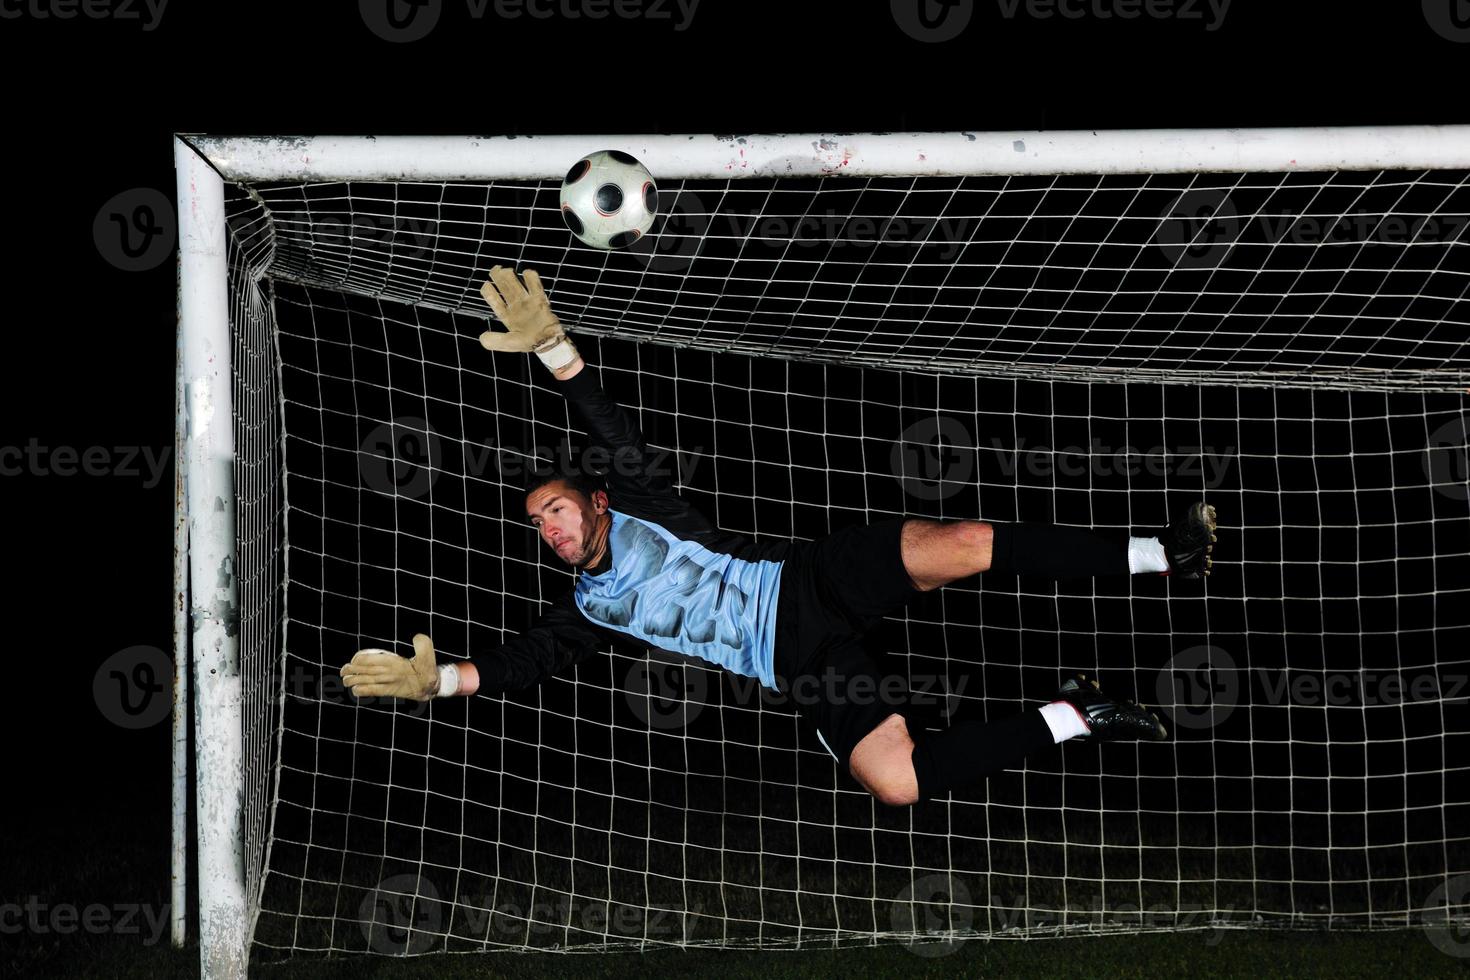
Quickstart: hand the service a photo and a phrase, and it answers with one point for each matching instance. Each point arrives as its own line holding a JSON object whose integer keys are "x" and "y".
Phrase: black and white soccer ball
{"x": 609, "y": 199}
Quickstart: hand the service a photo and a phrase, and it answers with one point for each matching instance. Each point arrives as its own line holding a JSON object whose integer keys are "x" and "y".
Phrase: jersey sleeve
{"x": 637, "y": 478}
{"x": 560, "y": 638}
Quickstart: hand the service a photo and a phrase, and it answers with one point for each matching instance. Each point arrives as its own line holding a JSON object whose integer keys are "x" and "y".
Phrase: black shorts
{"x": 834, "y": 590}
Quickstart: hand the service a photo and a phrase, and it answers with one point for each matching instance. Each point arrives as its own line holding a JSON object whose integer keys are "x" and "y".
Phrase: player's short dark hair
{"x": 586, "y": 483}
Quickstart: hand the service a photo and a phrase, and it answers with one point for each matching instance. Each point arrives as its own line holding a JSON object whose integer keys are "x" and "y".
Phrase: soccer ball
{"x": 608, "y": 199}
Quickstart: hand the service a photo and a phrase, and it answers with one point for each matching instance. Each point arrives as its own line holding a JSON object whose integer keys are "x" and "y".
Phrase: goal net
{"x": 1085, "y": 329}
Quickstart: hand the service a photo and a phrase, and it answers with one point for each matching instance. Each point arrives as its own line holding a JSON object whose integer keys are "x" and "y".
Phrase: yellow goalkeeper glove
{"x": 526, "y": 312}
{"x": 378, "y": 673}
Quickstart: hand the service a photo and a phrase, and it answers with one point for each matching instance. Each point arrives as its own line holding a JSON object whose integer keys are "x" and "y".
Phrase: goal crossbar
{"x": 323, "y": 158}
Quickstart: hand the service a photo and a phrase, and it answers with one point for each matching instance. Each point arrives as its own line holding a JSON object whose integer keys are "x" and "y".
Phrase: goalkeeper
{"x": 653, "y": 569}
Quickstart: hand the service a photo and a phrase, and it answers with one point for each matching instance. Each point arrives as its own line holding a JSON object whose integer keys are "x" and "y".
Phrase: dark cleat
{"x": 1108, "y": 719}
{"x": 1189, "y": 542}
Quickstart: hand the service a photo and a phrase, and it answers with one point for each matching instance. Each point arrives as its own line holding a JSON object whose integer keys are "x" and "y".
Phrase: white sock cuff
{"x": 1146, "y": 555}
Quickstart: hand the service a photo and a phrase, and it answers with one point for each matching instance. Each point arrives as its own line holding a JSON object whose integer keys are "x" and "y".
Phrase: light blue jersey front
{"x": 674, "y": 594}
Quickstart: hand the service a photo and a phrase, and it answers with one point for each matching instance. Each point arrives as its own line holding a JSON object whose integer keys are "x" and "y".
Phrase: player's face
{"x": 567, "y": 521}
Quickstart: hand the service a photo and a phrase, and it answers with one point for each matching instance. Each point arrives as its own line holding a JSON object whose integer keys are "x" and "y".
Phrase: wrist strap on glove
{"x": 557, "y": 352}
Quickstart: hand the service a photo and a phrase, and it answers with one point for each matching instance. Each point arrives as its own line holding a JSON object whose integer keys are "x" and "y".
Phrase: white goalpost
{"x": 821, "y": 330}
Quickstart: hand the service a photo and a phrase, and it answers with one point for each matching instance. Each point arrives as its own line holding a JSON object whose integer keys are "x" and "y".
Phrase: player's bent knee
{"x": 893, "y": 794}
{"x": 884, "y": 786}
{"x": 883, "y": 763}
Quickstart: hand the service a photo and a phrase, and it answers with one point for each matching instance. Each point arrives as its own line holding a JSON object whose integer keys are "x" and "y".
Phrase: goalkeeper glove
{"x": 530, "y": 325}
{"x": 378, "y": 673}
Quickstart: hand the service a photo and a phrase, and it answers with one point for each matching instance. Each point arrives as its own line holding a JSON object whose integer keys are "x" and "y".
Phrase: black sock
{"x": 971, "y": 750}
{"x": 1053, "y": 551}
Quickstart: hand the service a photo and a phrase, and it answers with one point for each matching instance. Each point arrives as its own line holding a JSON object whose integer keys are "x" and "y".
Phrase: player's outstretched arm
{"x": 530, "y": 325}
{"x": 640, "y": 478}
{"x": 560, "y": 638}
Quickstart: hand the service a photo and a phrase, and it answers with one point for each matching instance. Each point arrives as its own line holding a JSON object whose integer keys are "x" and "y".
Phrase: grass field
{"x": 1192, "y": 955}
{"x": 54, "y": 863}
